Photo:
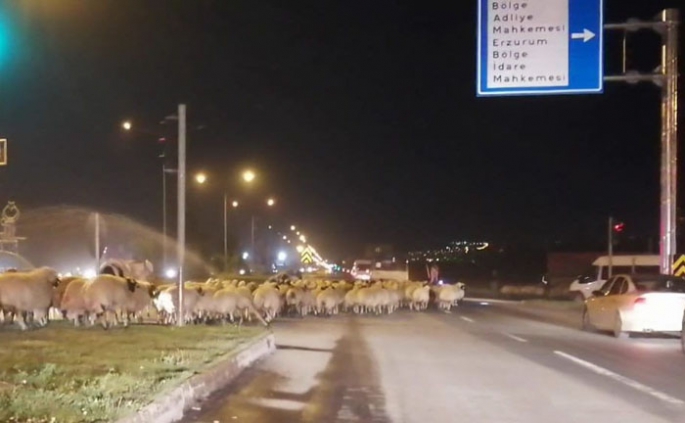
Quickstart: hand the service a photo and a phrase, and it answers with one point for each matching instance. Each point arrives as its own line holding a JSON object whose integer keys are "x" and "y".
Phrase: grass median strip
{"x": 64, "y": 374}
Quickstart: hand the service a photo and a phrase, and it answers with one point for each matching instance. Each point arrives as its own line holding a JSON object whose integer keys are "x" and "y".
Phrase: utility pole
{"x": 225, "y": 231}
{"x": 164, "y": 223}
{"x": 97, "y": 242}
{"x": 181, "y": 206}
{"x": 610, "y": 245}
{"x": 666, "y": 77}
{"x": 252, "y": 250}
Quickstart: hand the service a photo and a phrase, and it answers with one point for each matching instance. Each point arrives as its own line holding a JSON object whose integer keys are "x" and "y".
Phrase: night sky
{"x": 360, "y": 117}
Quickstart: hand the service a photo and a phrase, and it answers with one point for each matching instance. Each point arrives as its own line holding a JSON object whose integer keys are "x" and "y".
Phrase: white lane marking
{"x": 467, "y": 319}
{"x": 514, "y": 337}
{"x": 624, "y": 380}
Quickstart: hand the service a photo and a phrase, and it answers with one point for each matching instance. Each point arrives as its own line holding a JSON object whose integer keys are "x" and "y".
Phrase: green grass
{"x": 63, "y": 374}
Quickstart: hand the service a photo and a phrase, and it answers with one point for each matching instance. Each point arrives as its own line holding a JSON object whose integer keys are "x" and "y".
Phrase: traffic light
{"x": 619, "y": 227}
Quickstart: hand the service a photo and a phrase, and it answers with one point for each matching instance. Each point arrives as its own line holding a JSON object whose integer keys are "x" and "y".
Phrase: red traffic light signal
{"x": 619, "y": 227}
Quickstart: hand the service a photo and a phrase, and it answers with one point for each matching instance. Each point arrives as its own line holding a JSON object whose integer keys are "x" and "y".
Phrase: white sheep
{"x": 28, "y": 292}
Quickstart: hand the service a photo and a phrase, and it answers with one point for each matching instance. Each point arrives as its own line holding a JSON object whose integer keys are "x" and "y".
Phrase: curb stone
{"x": 171, "y": 406}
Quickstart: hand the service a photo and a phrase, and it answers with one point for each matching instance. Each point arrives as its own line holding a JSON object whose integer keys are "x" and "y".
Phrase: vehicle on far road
{"x": 379, "y": 270}
{"x": 629, "y": 304}
{"x": 593, "y": 279}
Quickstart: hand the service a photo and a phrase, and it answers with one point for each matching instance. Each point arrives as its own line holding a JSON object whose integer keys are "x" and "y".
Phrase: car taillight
{"x": 640, "y": 302}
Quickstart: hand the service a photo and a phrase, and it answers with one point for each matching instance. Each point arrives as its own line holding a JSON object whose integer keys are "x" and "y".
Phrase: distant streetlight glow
{"x": 200, "y": 178}
{"x": 270, "y": 202}
{"x": 292, "y": 228}
{"x": 249, "y": 176}
{"x": 127, "y": 125}
{"x": 284, "y": 237}
{"x": 171, "y": 273}
{"x": 282, "y": 256}
{"x": 246, "y": 255}
{"x": 234, "y": 204}
{"x": 299, "y": 248}
{"x": 303, "y": 238}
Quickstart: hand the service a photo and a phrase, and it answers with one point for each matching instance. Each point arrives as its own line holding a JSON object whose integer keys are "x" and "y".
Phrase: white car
{"x": 637, "y": 304}
{"x": 583, "y": 286}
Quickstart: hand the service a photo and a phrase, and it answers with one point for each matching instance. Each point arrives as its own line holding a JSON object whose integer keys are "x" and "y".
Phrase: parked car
{"x": 637, "y": 304}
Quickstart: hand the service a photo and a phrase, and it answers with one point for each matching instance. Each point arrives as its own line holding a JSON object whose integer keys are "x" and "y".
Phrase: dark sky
{"x": 360, "y": 116}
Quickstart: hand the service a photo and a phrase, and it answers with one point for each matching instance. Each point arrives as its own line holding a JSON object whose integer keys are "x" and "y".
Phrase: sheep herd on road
{"x": 28, "y": 297}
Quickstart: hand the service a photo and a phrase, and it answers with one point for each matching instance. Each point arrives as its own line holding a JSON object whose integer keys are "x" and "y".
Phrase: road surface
{"x": 482, "y": 363}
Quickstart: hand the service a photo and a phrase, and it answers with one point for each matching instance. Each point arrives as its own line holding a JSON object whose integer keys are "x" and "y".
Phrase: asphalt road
{"x": 482, "y": 363}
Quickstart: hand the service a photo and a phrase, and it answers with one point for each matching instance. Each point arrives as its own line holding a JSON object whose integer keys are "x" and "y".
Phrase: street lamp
{"x": 181, "y": 197}
{"x": 234, "y": 204}
{"x": 292, "y": 228}
{"x": 200, "y": 178}
{"x": 270, "y": 202}
{"x": 127, "y": 126}
{"x": 249, "y": 176}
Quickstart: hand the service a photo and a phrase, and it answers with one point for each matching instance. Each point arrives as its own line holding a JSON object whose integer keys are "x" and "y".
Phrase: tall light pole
{"x": 181, "y": 206}
{"x": 666, "y": 77}
{"x": 127, "y": 126}
{"x": 234, "y": 204}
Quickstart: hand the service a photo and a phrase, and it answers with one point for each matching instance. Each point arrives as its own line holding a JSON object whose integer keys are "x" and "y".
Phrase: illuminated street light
{"x": 282, "y": 256}
{"x": 246, "y": 255}
{"x": 249, "y": 176}
{"x": 127, "y": 125}
{"x": 292, "y": 228}
{"x": 270, "y": 202}
{"x": 284, "y": 237}
{"x": 234, "y": 204}
{"x": 200, "y": 178}
{"x": 303, "y": 238}
{"x": 299, "y": 248}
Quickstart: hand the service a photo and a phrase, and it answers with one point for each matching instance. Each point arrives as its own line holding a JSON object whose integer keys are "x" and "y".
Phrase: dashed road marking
{"x": 622, "y": 379}
{"x": 515, "y": 338}
{"x": 467, "y": 319}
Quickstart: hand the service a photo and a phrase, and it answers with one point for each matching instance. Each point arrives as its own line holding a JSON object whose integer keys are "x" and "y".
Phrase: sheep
{"x": 448, "y": 295}
{"x": 140, "y": 300}
{"x": 108, "y": 293}
{"x": 419, "y": 298}
{"x": 73, "y": 304}
{"x": 28, "y": 292}
{"x": 267, "y": 299}
{"x": 167, "y": 302}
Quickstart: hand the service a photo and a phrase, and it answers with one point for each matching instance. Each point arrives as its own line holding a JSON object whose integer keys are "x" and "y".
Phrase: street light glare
{"x": 292, "y": 228}
{"x": 270, "y": 202}
{"x": 127, "y": 125}
{"x": 234, "y": 204}
{"x": 200, "y": 178}
{"x": 249, "y": 176}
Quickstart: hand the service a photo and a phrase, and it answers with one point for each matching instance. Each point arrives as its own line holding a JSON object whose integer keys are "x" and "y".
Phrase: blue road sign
{"x": 535, "y": 47}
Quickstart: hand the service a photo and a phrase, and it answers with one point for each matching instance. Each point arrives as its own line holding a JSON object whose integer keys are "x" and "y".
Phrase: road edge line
{"x": 622, "y": 379}
{"x": 171, "y": 407}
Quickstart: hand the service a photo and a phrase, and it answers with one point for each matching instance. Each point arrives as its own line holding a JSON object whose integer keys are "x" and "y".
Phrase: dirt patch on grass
{"x": 66, "y": 374}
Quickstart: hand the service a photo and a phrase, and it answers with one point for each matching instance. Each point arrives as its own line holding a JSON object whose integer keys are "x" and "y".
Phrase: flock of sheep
{"x": 28, "y": 297}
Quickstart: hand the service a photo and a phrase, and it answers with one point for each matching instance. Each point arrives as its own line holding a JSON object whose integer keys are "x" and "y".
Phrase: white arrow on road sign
{"x": 586, "y": 35}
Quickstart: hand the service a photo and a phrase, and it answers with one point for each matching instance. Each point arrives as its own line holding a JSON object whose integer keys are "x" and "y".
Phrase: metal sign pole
{"x": 181, "y": 206}
{"x": 669, "y": 137}
{"x": 666, "y": 24}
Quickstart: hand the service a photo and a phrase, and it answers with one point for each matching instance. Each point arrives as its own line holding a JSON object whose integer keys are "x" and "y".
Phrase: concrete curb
{"x": 172, "y": 405}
